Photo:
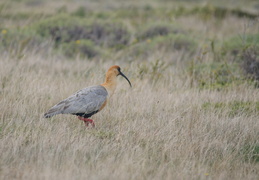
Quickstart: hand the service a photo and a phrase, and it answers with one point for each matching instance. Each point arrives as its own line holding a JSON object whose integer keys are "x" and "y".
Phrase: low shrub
{"x": 209, "y": 11}
{"x": 172, "y": 42}
{"x": 233, "y": 108}
{"x": 17, "y": 42}
{"x": 81, "y": 12}
{"x": 153, "y": 71}
{"x": 176, "y": 42}
{"x": 215, "y": 75}
{"x": 237, "y": 44}
{"x": 157, "y": 29}
{"x": 65, "y": 29}
{"x": 250, "y": 62}
{"x": 83, "y": 48}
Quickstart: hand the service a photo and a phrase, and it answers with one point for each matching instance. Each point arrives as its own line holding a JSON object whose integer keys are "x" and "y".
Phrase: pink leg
{"x": 87, "y": 121}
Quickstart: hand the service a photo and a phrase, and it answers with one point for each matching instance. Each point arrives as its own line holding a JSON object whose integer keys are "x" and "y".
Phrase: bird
{"x": 90, "y": 100}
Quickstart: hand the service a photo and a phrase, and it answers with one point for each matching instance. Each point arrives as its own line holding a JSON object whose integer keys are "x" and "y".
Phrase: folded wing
{"x": 87, "y": 101}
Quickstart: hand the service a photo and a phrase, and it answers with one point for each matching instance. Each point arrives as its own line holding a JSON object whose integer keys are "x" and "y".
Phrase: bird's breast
{"x": 110, "y": 88}
{"x": 103, "y": 105}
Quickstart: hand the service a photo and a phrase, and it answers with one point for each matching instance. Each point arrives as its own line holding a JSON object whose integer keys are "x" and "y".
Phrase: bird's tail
{"x": 53, "y": 111}
{"x": 47, "y": 115}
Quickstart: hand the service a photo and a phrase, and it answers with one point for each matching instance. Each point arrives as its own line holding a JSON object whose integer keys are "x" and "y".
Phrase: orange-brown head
{"x": 110, "y": 80}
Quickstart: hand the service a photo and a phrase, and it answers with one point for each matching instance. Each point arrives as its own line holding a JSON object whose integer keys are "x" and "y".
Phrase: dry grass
{"x": 158, "y": 131}
{"x": 164, "y": 127}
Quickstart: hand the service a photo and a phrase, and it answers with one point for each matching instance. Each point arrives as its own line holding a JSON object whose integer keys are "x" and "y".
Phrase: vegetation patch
{"x": 208, "y": 11}
{"x": 152, "y": 71}
{"x": 64, "y": 28}
{"x": 157, "y": 29}
{"x": 71, "y": 35}
{"x": 102, "y": 134}
{"x": 237, "y": 44}
{"x": 17, "y": 42}
{"x": 176, "y": 42}
{"x": 81, "y": 48}
{"x": 250, "y": 153}
{"x": 215, "y": 75}
{"x": 234, "y": 108}
{"x": 250, "y": 62}
{"x": 169, "y": 43}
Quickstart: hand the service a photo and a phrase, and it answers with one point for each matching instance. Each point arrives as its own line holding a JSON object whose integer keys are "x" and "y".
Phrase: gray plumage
{"x": 86, "y": 101}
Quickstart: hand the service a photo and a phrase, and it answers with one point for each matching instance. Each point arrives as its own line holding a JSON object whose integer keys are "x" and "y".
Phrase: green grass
{"x": 234, "y": 108}
{"x": 241, "y": 42}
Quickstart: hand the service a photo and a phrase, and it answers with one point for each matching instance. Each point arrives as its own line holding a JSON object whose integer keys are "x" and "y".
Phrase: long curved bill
{"x": 125, "y": 78}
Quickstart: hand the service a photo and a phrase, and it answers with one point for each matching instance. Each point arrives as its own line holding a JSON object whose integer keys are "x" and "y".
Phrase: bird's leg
{"x": 87, "y": 121}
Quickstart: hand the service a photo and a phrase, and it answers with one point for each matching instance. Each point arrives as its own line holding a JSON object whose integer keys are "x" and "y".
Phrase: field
{"x": 192, "y": 111}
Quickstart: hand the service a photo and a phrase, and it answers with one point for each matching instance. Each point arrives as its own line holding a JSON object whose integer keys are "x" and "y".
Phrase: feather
{"x": 86, "y": 101}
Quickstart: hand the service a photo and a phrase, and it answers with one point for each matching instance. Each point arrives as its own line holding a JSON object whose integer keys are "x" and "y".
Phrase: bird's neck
{"x": 110, "y": 83}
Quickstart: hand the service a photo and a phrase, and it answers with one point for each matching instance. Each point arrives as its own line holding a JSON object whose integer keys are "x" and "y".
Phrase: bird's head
{"x": 116, "y": 70}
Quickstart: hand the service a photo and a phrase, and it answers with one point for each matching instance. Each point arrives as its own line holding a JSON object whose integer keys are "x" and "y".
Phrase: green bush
{"x": 65, "y": 29}
{"x": 250, "y": 62}
{"x": 215, "y": 75}
{"x": 172, "y": 42}
{"x": 152, "y": 70}
{"x": 18, "y": 41}
{"x": 58, "y": 28}
{"x": 157, "y": 29}
{"x": 81, "y": 12}
{"x": 237, "y": 44}
{"x": 209, "y": 11}
{"x": 83, "y": 48}
{"x": 176, "y": 42}
{"x": 234, "y": 108}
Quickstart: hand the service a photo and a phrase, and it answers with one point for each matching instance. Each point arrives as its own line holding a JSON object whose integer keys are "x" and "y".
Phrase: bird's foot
{"x": 87, "y": 121}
